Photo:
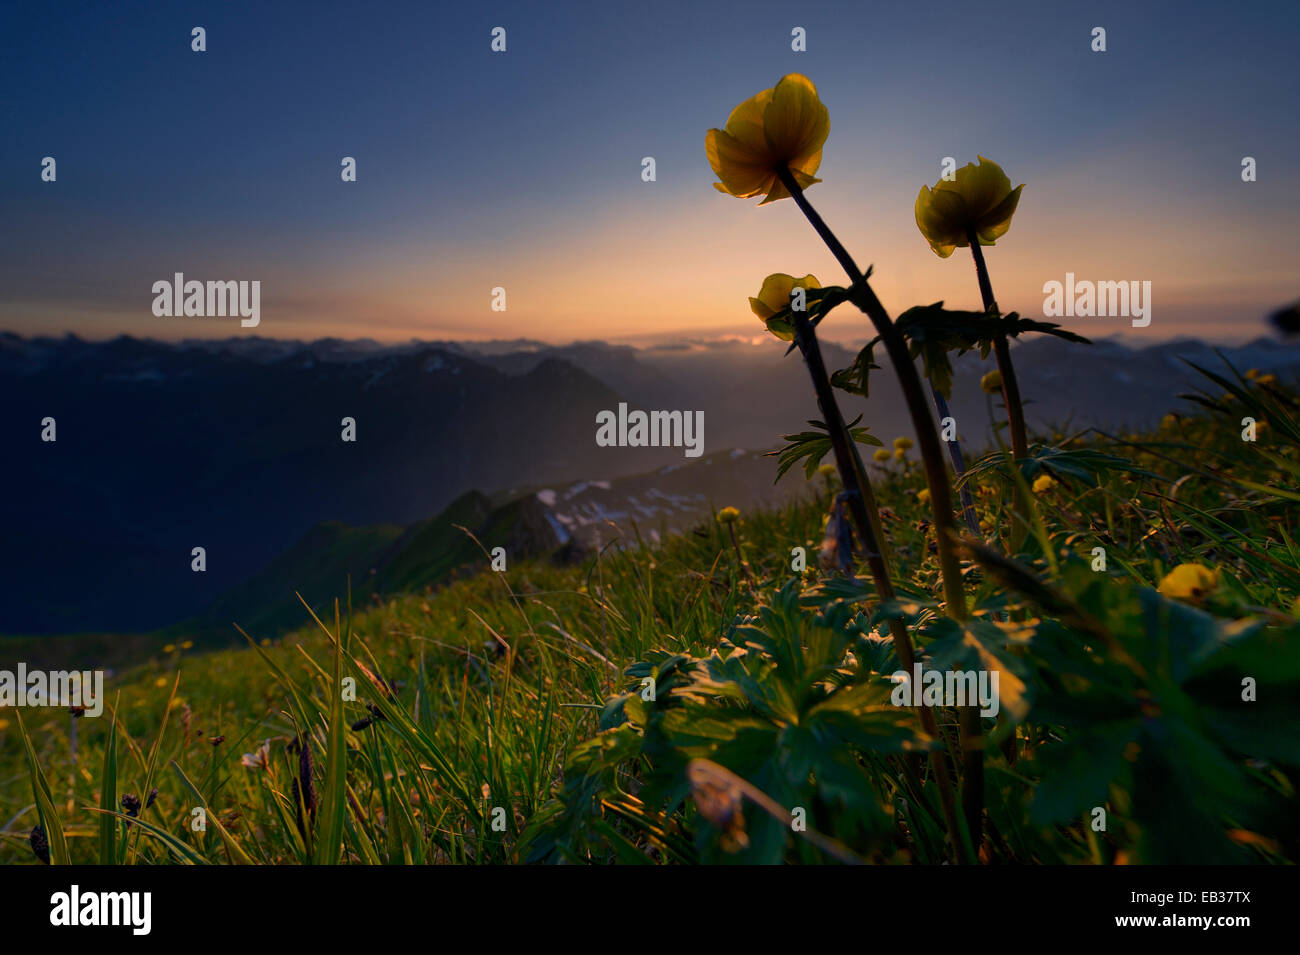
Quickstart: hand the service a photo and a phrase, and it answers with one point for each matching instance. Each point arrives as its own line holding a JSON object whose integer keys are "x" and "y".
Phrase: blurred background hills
{"x": 234, "y": 445}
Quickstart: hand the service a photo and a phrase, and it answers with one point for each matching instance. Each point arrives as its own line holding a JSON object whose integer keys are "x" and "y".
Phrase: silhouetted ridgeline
{"x": 236, "y": 446}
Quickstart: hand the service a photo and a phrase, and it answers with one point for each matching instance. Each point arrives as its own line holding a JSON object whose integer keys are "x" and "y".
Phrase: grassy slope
{"x": 474, "y": 727}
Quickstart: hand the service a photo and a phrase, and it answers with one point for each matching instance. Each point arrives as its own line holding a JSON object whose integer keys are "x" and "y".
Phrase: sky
{"x": 522, "y": 169}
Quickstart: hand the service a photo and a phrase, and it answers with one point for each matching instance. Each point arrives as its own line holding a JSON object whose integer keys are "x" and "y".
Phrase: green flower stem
{"x": 913, "y": 392}
{"x": 1015, "y": 418}
{"x": 940, "y": 494}
{"x": 841, "y": 442}
{"x": 958, "y": 469}
{"x": 849, "y": 466}
{"x": 740, "y": 559}
{"x": 1010, "y": 387}
{"x": 936, "y": 473}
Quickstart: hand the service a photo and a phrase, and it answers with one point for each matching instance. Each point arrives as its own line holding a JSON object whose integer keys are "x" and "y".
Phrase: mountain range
{"x": 236, "y": 446}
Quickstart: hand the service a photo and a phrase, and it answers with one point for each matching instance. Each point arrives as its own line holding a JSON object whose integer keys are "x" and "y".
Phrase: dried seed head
{"x": 308, "y": 789}
{"x": 131, "y": 804}
{"x": 40, "y": 845}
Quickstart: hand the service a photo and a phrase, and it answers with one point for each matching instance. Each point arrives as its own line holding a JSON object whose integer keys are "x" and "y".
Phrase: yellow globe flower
{"x": 1043, "y": 483}
{"x": 923, "y": 495}
{"x": 882, "y": 455}
{"x": 774, "y": 297}
{"x": 827, "y": 470}
{"x": 784, "y": 126}
{"x": 728, "y": 515}
{"x": 979, "y": 197}
{"x": 899, "y": 454}
{"x": 1190, "y": 582}
{"x": 991, "y": 383}
{"x": 903, "y": 443}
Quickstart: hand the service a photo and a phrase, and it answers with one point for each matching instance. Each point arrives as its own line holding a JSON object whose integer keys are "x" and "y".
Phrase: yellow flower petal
{"x": 796, "y": 124}
{"x": 978, "y": 197}
{"x": 994, "y": 224}
{"x": 774, "y": 298}
{"x": 742, "y": 172}
{"x": 785, "y": 126}
{"x": 935, "y": 214}
{"x": 774, "y": 295}
{"x": 982, "y": 186}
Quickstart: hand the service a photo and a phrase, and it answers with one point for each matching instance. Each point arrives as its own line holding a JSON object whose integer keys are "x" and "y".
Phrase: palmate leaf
{"x": 1083, "y": 464}
{"x": 811, "y": 446}
{"x": 933, "y": 333}
{"x": 853, "y": 379}
{"x": 1013, "y": 326}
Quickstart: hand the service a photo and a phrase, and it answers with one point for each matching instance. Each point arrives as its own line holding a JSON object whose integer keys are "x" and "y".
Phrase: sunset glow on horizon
{"x": 463, "y": 188}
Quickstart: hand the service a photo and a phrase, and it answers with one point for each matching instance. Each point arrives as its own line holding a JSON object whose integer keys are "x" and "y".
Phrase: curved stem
{"x": 1010, "y": 386}
{"x": 913, "y": 393}
{"x": 936, "y": 473}
{"x": 867, "y": 521}
{"x": 958, "y": 468}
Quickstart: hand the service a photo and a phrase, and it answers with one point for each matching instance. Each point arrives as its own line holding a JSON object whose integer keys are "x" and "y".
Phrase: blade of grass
{"x": 233, "y": 848}
{"x": 334, "y": 807}
{"x": 49, "y": 817}
{"x": 108, "y": 793}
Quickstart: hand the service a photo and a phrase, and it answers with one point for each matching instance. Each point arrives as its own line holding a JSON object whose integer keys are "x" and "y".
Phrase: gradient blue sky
{"x": 522, "y": 169}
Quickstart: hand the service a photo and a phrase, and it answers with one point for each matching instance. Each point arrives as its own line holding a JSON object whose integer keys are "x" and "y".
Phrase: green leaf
{"x": 108, "y": 795}
{"x": 812, "y": 446}
{"x": 184, "y": 852}
{"x": 334, "y": 806}
{"x": 237, "y": 853}
{"x": 1083, "y": 464}
{"x": 49, "y": 818}
{"x": 1076, "y": 773}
